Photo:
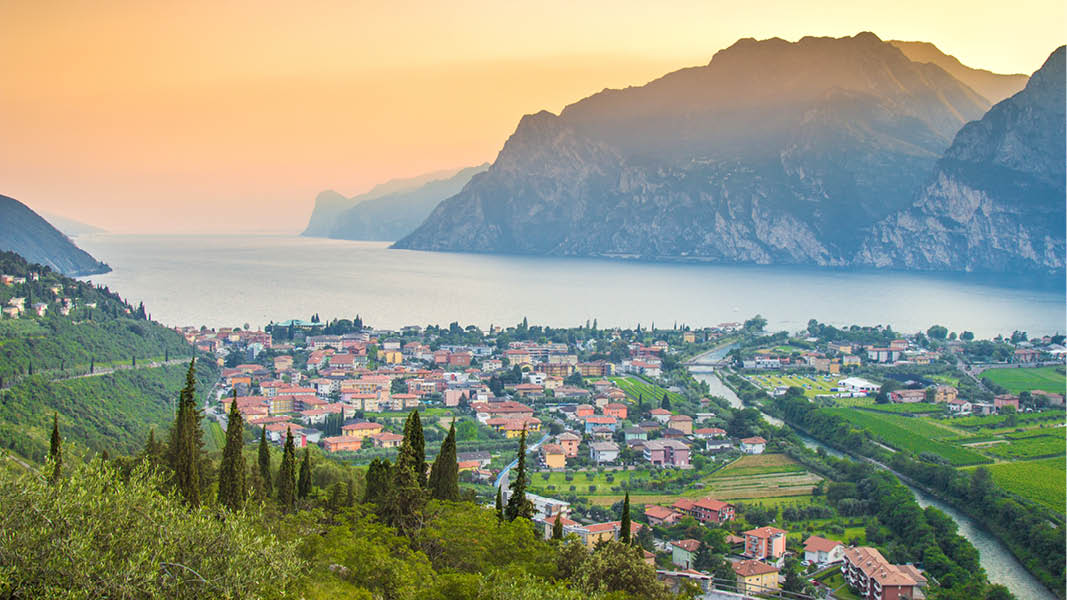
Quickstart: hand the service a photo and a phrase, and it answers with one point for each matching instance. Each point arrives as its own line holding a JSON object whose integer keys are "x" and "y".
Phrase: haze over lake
{"x": 237, "y": 279}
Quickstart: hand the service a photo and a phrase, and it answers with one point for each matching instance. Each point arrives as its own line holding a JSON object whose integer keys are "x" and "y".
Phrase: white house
{"x": 753, "y": 445}
{"x": 819, "y": 550}
{"x": 603, "y": 452}
{"x": 858, "y": 384}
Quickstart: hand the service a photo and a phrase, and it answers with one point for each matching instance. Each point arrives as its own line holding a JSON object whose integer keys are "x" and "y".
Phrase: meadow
{"x": 813, "y": 385}
{"x": 639, "y": 388}
{"x": 1049, "y": 379}
{"x": 916, "y": 408}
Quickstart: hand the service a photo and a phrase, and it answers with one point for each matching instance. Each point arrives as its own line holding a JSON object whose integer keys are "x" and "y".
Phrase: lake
{"x": 231, "y": 280}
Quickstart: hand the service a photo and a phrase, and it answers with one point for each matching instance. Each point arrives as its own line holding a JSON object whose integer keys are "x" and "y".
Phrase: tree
{"x": 665, "y": 403}
{"x": 937, "y": 332}
{"x": 444, "y": 473}
{"x": 378, "y": 477}
{"x": 416, "y": 444}
{"x": 499, "y": 504}
{"x": 55, "y": 451}
{"x": 703, "y": 561}
{"x": 232, "y": 469}
{"x": 518, "y": 505}
{"x": 793, "y": 581}
{"x": 286, "y": 484}
{"x": 264, "y": 464}
{"x": 967, "y": 336}
{"x": 625, "y": 535}
{"x": 557, "y": 527}
{"x": 303, "y": 487}
{"x": 186, "y": 441}
{"x": 756, "y": 323}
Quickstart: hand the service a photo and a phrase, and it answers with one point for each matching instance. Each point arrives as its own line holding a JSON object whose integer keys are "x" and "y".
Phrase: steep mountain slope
{"x": 395, "y": 215}
{"x": 329, "y": 204}
{"x": 25, "y": 232}
{"x": 993, "y": 86}
{"x": 70, "y": 227}
{"x": 774, "y": 152}
{"x": 996, "y": 200}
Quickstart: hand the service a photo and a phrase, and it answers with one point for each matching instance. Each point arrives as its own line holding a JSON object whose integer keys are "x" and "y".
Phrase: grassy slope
{"x": 1020, "y": 380}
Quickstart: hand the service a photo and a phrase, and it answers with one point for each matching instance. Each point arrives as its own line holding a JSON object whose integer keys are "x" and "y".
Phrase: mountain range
{"x": 330, "y": 205}
{"x": 772, "y": 153}
{"x": 26, "y": 233}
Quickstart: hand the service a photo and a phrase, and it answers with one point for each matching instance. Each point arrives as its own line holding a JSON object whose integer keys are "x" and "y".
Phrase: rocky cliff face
{"x": 996, "y": 200}
{"x": 395, "y": 215}
{"x": 774, "y": 152}
{"x": 24, "y": 232}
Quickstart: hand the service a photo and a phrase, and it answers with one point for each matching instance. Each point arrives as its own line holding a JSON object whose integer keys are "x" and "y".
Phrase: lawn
{"x": 759, "y": 464}
{"x": 916, "y": 435}
{"x": 813, "y": 385}
{"x": 1020, "y": 380}
{"x": 916, "y": 408}
{"x": 1038, "y": 480}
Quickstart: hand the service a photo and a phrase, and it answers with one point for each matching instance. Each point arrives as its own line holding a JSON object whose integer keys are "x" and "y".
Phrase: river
{"x": 999, "y": 563}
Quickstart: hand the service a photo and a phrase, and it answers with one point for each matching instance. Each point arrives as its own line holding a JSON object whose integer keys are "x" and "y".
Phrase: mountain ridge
{"x": 27, "y": 233}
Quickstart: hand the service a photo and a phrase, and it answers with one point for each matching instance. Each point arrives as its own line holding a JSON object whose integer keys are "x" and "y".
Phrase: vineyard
{"x": 1038, "y": 480}
{"x": 913, "y": 435}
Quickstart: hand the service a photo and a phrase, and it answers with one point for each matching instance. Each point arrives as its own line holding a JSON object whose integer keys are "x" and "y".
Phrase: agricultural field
{"x": 1035, "y": 446}
{"x": 636, "y": 387}
{"x": 813, "y": 385}
{"x": 854, "y": 402}
{"x": 1023, "y": 419}
{"x": 215, "y": 437}
{"x": 756, "y": 477}
{"x": 916, "y": 435}
{"x": 587, "y": 483}
{"x": 916, "y": 408}
{"x": 1049, "y": 379}
{"x": 1038, "y": 480}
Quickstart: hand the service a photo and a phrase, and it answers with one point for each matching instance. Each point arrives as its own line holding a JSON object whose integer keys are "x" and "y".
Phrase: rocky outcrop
{"x": 24, "y": 232}
{"x": 996, "y": 200}
{"x": 774, "y": 152}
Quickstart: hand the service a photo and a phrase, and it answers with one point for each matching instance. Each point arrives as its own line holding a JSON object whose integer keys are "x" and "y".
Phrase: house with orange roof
{"x": 683, "y": 423}
{"x": 709, "y": 433}
{"x": 661, "y": 414}
{"x": 569, "y": 442}
{"x": 386, "y": 439}
{"x": 614, "y": 409}
{"x": 755, "y": 577}
{"x": 765, "y": 543}
{"x": 818, "y": 550}
{"x": 683, "y": 552}
{"x": 705, "y": 510}
{"x": 661, "y": 515}
{"x": 872, "y": 577}
{"x": 584, "y": 410}
{"x": 553, "y": 456}
{"x": 753, "y": 445}
{"x": 361, "y": 430}
{"x": 342, "y": 443}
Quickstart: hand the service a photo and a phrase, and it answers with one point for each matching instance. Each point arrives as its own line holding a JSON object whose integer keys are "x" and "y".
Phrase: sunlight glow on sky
{"x": 203, "y": 116}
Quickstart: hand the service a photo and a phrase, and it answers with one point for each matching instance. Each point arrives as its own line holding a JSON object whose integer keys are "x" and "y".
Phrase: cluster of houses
{"x": 16, "y": 306}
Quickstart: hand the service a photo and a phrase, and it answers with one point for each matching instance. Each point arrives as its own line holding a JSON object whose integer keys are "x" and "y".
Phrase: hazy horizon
{"x": 202, "y": 118}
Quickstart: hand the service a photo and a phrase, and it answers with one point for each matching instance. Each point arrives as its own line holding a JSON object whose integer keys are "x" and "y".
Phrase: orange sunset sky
{"x": 211, "y": 116}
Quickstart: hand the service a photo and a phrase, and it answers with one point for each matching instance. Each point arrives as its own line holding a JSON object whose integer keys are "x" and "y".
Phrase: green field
{"x": 583, "y": 485}
{"x": 1024, "y": 419}
{"x": 1032, "y": 447}
{"x": 913, "y": 434}
{"x": 757, "y": 477}
{"x": 215, "y": 437}
{"x": 635, "y": 387}
{"x": 1020, "y": 380}
{"x": 1039, "y": 480}
{"x": 917, "y": 408}
{"x": 813, "y": 385}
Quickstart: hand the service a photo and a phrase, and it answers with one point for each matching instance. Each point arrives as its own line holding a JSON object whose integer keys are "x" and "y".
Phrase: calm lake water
{"x": 232, "y": 280}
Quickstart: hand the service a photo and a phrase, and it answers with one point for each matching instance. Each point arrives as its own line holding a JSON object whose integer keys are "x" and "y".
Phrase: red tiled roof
{"x": 818, "y": 544}
{"x": 748, "y": 568}
{"x": 765, "y": 532}
{"x": 687, "y": 545}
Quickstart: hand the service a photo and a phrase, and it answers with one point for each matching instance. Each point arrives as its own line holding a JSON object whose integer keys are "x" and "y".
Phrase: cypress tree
{"x": 499, "y": 504}
{"x": 557, "y": 527}
{"x": 416, "y": 442}
{"x": 303, "y": 487}
{"x": 518, "y": 505}
{"x": 55, "y": 451}
{"x": 444, "y": 474}
{"x": 665, "y": 404}
{"x": 350, "y": 493}
{"x": 186, "y": 441}
{"x": 286, "y": 484}
{"x": 232, "y": 468}
{"x": 378, "y": 477}
{"x": 264, "y": 464}
{"x": 624, "y": 522}
{"x": 255, "y": 481}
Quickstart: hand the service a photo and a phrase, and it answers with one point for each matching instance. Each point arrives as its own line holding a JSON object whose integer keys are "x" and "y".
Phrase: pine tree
{"x": 303, "y": 487}
{"x": 557, "y": 527}
{"x": 186, "y": 441}
{"x": 232, "y": 469}
{"x": 415, "y": 442}
{"x": 703, "y": 561}
{"x": 444, "y": 474}
{"x": 286, "y": 484}
{"x": 378, "y": 478}
{"x": 55, "y": 451}
{"x": 499, "y": 504}
{"x": 264, "y": 464}
{"x": 665, "y": 404}
{"x": 625, "y": 535}
{"x": 518, "y": 505}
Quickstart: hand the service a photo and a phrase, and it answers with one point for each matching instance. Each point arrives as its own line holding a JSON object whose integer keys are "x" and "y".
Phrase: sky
{"x": 204, "y": 117}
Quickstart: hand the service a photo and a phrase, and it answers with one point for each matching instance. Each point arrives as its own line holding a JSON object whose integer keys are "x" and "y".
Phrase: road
{"x": 505, "y": 470}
